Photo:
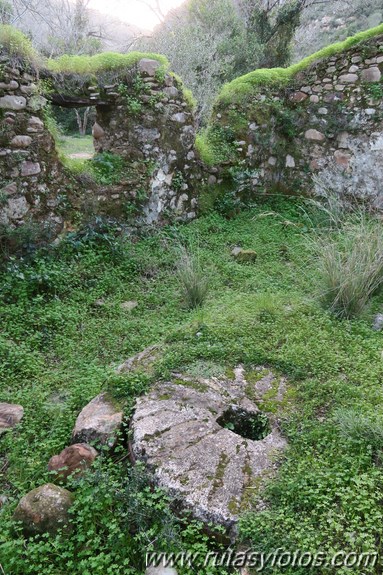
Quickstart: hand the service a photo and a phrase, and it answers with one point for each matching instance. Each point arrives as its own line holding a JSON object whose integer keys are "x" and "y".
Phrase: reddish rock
{"x": 298, "y": 97}
{"x": 73, "y": 460}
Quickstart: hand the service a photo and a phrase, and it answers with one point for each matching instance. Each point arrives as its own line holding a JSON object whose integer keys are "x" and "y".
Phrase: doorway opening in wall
{"x": 73, "y": 127}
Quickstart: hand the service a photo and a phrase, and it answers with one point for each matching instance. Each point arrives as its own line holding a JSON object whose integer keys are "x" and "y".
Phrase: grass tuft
{"x": 192, "y": 279}
{"x": 359, "y": 427}
{"x": 350, "y": 262}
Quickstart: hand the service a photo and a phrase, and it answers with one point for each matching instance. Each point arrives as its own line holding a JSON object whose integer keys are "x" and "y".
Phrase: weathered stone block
{"x": 21, "y": 142}
{"x": 348, "y": 79}
{"x": 13, "y": 102}
{"x": 314, "y": 136}
{"x": 290, "y": 162}
{"x": 180, "y": 118}
{"x": 99, "y": 421}
{"x": 11, "y": 86}
{"x": 148, "y": 67}
{"x": 371, "y": 74}
{"x": 35, "y": 125}
{"x": 30, "y": 168}
{"x": 342, "y": 158}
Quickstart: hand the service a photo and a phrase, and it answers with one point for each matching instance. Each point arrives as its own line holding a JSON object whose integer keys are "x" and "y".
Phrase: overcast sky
{"x": 134, "y": 11}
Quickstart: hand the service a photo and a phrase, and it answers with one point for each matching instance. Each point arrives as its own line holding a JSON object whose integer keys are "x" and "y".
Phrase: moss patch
{"x": 100, "y": 62}
{"x": 241, "y": 87}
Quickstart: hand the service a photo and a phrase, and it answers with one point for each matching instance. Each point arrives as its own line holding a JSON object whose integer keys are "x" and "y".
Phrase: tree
{"x": 273, "y": 25}
{"x": 82, "y": 122}
{"x": 58, "y": 27}
{"x": 205, "y": 41}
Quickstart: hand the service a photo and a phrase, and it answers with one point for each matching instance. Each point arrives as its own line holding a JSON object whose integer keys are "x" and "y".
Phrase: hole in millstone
{"x": 249, "y": 425}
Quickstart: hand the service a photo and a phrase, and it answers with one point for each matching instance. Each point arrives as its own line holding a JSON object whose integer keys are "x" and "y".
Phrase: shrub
{"x": 350, "y": 262}
{"x": 193, "y": 281}
{"x": 107, "y": 167}
{"x": 17, "y": 44}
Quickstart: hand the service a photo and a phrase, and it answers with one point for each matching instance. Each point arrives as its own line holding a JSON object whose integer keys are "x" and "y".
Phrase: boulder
{"x": 298, "y": 97}
{"x": 10, "y": 416}
{"x": 10, "y": 189}
{"x": 206, "y": 440}
{"x": 11, "y": 86}
{"x": 98, "y": 422}
{"x": 290, "y": 161}
{"x": 13, "y": 102}
{"x": 342, "y": 158}
{"x": 29, "y": 90}
{"x": 44, "y": 510}
{"x": 16, "y": 208}
{"x": 37, "y": 103}
{"x": 73, "y": 460}
{"x": 241, "y": 255}
{"x": 148, "y": 67}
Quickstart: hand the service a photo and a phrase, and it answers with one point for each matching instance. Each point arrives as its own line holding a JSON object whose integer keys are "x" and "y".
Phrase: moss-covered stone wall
{"x": 283, "y": 126}
{"x": 145, "y": 120}
{"x": 33, "y": 183}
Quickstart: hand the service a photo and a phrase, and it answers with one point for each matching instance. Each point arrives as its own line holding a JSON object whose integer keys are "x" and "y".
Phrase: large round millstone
{"x": 208, "y": 442}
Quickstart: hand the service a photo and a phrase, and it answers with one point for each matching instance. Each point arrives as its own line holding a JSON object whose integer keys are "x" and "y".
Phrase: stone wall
{"x": 142, "y": 116}
{"x": 33, "y": 185}
{"x": 285, "y": 133}
{"x": 157, "y": 141}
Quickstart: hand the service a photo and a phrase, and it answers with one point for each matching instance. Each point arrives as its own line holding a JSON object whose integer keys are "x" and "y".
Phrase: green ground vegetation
{"x": 64, "y": 330}
{"x": 74, "y": 145}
